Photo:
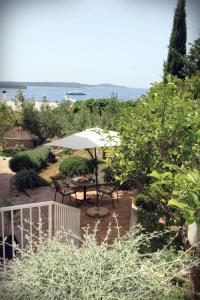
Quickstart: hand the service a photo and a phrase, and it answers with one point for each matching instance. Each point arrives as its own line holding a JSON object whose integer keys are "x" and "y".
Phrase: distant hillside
{"x": 12, "y": 85}
{"x": 110, "y": 85}
{"x": 21, "y": 85}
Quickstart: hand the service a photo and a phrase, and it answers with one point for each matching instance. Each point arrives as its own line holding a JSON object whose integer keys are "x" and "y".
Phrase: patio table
{"x": 84, "y": 186}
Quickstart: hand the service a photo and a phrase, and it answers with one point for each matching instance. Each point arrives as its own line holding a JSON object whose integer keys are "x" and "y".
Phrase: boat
{"x": 78, "y": 93}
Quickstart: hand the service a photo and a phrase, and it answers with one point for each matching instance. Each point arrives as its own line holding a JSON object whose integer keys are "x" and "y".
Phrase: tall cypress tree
{"x": 177, "y": 48}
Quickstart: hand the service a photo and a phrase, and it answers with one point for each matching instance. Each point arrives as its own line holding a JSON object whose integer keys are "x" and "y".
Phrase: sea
{"x": 58, "y": 94}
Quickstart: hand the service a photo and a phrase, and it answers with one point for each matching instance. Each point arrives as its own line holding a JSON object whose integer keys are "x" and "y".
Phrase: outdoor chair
{"x": 109, "y": 190}
{"x": 63, "y": 190}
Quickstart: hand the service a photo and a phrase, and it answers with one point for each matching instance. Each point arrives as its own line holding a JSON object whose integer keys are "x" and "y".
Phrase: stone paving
{"x": 124, "y": 212}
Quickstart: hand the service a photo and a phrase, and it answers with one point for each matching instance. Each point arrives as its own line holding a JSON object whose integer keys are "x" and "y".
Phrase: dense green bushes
{"x": 155, "y": 217}
{"x": 159, "y": 153}
{"x": 7, "y": 118}
{"x": 63, "y": 119}
{"x": 28, "y": 179}
{"x": 62, "y": 271}
{"x": 145, "y": 203}
{"x": 26, "y": 164}
{"x": 31, "y": 159}
{"x": 179, "y": 188}
{"x": 76, "y": 165}
{"x": 10, "y": 152}
{"x": 161, "y": 130}
{"x": 176, "y": 188}
{"x": 149, "y": 215}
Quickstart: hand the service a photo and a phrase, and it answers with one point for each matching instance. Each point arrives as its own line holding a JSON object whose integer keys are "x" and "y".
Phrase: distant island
{"x": 23, "y": 85}
{"x": 12, "y": 85}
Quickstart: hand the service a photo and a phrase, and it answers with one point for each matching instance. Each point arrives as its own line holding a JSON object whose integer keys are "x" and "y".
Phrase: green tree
{"x": 194, "y": 58}
{"x": 30, "y": 117}
{"x": 175, "y": 63}
{"x": 161, "y": 129}
{"x": 7, "y": 118}
{"x": 49, "y": 121}
{"x": 19, "y": 99}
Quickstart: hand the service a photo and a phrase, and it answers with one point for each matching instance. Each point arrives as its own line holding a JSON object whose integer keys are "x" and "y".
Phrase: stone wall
{"x": 19, "y": 142}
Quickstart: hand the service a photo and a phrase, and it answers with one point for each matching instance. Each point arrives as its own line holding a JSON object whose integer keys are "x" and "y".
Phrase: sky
{"x": 121, "y": 42}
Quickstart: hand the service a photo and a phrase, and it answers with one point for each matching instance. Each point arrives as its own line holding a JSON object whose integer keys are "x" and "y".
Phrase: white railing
{"x": 35, "y": 219}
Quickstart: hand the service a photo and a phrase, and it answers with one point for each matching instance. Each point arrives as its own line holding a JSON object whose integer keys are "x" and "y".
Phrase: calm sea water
{"x": 59, "y": 93}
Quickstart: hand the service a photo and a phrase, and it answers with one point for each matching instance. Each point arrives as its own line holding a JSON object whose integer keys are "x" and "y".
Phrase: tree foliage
{"x": 193, "y": 62}
{"x": 160, "y": 137}
{"x": 7, "y": 119}
{"x": 175, "y": 64}
{"x": 162, "y": 129}
{"x": 63, "y": 119}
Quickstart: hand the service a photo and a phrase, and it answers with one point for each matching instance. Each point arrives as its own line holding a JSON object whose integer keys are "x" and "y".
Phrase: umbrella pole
{"x": 96, "y": 177}
{"x": 97, "y": 211}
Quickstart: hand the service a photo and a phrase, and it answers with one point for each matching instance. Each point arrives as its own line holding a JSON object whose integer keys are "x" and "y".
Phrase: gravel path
{"x": 5, "y": 175}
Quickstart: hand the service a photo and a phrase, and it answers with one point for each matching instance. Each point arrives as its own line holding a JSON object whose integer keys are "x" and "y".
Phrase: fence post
{"x": 50, "y": 220}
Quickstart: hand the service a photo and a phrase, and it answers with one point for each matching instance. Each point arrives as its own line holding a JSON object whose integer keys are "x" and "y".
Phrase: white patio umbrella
{"x": 88, "y": 139}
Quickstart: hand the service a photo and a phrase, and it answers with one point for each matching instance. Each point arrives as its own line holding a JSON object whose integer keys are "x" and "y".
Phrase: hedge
{"x": 10, "y": 152}
{"x": 76, "y": 166}
{"x": 25, "y": 179}
{"x": 31, "y": 159}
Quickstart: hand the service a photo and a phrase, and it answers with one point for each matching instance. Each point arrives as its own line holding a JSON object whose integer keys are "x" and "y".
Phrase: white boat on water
{"x": 76, "y": 92}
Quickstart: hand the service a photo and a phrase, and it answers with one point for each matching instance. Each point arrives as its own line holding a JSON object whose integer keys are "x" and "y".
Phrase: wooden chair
{"x": 64, "y": 191}
{"x": 109, "y": 189}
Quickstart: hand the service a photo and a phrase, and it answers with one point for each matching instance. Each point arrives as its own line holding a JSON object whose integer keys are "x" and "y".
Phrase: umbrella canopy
{"x": 89, "y": 138}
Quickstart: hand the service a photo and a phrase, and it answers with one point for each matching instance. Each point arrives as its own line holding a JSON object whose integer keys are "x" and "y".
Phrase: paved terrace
{"x": 123, "y": 212}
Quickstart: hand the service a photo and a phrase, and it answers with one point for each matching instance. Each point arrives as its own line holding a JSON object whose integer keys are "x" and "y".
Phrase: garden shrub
{"x": 110, "y": 177}
{"x": 108, "y": 174}
{"x": 63, "y": 271}
{"x": 76, "y": 166}
{"x": 66, "y": 151}
{"x": 10, "y": 152}
{"x": 153, "y": 217}
{"x": 144, "y": 202}
{"x": 149, "y": 218}
{"x": 28, "y": 179}
{"x": 31, "y": 159}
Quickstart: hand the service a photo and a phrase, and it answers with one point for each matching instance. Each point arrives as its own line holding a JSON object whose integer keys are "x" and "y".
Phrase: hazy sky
{"x": 88, "y": 41}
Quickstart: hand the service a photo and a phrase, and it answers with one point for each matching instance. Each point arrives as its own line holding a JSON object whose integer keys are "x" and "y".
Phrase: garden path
{"x": 5, "y": 175}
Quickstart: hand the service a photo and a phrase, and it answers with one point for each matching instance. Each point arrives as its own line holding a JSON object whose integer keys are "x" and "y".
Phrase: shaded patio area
{"x": 125, "y": 215}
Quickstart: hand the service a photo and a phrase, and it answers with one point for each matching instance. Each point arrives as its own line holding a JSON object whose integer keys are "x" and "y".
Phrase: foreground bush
{"x": 31, "y": 159}
{"x": 118, "y": 271}
{"x": 28, "y": 179}
{"x": 76, "y": 166}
